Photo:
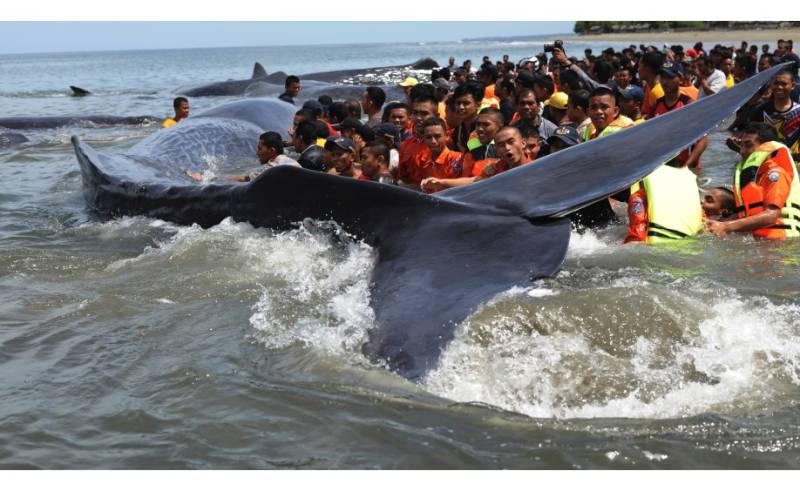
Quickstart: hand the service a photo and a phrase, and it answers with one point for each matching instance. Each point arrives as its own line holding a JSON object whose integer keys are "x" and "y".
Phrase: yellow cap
{"x": 558, "y": 100}
{"x": 409, "y": 82}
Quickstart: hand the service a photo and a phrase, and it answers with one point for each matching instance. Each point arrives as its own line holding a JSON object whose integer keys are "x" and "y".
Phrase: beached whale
{"x": 228, "y": 87}
{"x": 260, "y": 84}
{"x": 47, "y": 122}
{"x": 9, "y": 139}
{"x": 438, "y": 256}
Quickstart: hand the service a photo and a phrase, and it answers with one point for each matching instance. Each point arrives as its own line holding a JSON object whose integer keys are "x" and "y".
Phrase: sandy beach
{"x": 761, "y": 35}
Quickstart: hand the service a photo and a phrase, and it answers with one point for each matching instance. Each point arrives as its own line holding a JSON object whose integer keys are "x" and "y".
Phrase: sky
{"x": 45, "y": 37}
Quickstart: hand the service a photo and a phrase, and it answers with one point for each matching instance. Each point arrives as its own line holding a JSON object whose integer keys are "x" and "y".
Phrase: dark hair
{"x": 326, "y": 102}
{"x": 337, "y": 112}
{"x": 528, "y": 130}
{"x": 545, "y": 82}
{"x": 473, "y": 89}
{"x": 422, "y": 92}
{"x": 568, "y": 78}
{"x": 603, "y": 90}
{"x": 291, "y": 79}
{"x": 353, "y": 108}
{"x": 508, "y": 85}
{"x": 445, "y": 73}
{"x": 525, "y": 91}
{"x": 748, "y": 64}
{"x": 307, "y": 114}
{"x": 579, "y": 98}
{"x": 788, "y": 71}
{"x": 376, "y": 95}
{"x": 603, "y": 70}
{"x": 769, "y": 57}
{"x": 434, "y": 122}
{"x": 322, "y": 129}
{"x": 307, "y": 132}
{"x": 272, "y": 140}
{"x": 176, "y": 103}
{"x": 387, "y": 111}
{"x": 763, "y": 131}
{"x": 379, "y": 148}
{"x": 653, "y": 60}
{"x": 495, "y": 113}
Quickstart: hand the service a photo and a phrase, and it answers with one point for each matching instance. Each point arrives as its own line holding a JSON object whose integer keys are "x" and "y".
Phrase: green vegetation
{"x": 601, "y": 27}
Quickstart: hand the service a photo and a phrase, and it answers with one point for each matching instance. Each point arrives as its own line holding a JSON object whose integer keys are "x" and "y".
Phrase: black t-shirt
{"x": 286, "y": 98}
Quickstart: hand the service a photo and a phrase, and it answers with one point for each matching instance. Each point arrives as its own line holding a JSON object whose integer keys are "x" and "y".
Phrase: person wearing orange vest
{"x": 443, "y": 163}
{"x": 413, "y": 150}
{"x": 766, "y": 188}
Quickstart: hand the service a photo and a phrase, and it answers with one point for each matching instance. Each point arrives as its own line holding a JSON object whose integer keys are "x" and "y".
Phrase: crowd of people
{"x": 465, "y": 126}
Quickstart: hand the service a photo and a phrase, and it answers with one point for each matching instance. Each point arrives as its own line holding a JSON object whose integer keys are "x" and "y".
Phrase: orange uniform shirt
{"x": 448, "y": 165}
{"x": 651, "y": 95}
{"x": 637, "y": 216}
{"x": 413, "y": 152}
{"x": 776, "y": 183}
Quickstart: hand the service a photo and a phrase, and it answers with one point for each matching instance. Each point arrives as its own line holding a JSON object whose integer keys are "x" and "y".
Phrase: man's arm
{"x": 697, "y": 151}
{"x": 764, "y": 219}
{"x": 433, "y": 184}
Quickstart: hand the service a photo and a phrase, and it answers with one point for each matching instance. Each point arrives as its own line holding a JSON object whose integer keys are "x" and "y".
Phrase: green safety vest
{"x": 749, "y": 195}
{"x": 673, "y": 204}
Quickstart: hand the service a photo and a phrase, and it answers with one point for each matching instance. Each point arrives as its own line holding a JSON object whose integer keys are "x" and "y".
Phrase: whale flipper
{"x": 258, "y": 71}
{"x": 79, "y": 92}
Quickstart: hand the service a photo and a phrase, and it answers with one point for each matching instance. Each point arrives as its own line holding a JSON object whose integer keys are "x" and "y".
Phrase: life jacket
{"x": 618, "y": 124}
{"x": 673, "y": 207}
{"x": 749, "y": 195}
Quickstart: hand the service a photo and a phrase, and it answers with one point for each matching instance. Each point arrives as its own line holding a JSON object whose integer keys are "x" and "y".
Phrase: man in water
{"x": 766, "y": 188}
{"x": 780, "y": 111}
{"x": 291, "y": 89}
{"x": 718, "y": 203}
{"x": 181, "y": 107}
{"x": 304, "y": 141}
{"x": 343, "y": 154}
{"x": 269, "y": 153}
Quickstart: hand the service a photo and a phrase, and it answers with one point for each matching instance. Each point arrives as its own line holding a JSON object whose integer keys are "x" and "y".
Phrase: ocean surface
{"x": 137, "y": 343}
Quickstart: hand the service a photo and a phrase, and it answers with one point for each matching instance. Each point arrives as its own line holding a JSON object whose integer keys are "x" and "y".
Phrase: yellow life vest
{"x": 749, "y": 195}
{"x": 673, "y": 204}
{"x": 618, "y": 124}
{"x": 168, "y": 122}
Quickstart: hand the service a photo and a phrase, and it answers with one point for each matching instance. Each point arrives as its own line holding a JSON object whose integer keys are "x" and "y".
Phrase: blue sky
{"x": 42, "y": 37}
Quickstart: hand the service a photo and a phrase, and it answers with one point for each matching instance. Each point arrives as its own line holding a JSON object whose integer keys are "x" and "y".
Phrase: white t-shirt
{"x": 716, "y": 81}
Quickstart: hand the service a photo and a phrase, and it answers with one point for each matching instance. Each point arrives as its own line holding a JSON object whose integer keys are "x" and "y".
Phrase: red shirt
{"x": 661, "y": 107}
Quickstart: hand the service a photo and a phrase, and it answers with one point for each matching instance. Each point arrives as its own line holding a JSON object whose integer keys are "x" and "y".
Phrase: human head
{"x": 622, "y": 76}
{"x": 343, "y": 153}
{"x": 603, "y": 71}
{"x": 531, "y": 139}
{"x": 603, "y": 108}
{"x": 467, "y": 98}
{"x": 543, "y": 86}
{"x": 578, "y": 106}
{"x": 754, "y": 135}
{"x": 766, "y": 62}
{"x": 630, "y": 101}
{"x": 305, "y": 134}
{"x": 670, "y": 73}
{"x": 563, "y": 137}
{"x": 704, "y": 65}
{"x": 782, "y": 84}
{"x": 650, "y": 64}
{"x": 442, "y": 87}
{"x": 510, "y": 146}
{"x": 315, "y": 107}
{"x": 451, "y": 61}
{"x": 303, "y": 114}
{"x": 424, "y": 109}
{"x": 726, "y": 63}
{"x": 488, "y": 75}
{"x": 407, "y": 85}
{"x": 397, "y": 113}
{"x": 270, "y": 145}
{"x": 337, "y": 112}
{"x": 353, "y": 108}
{"x": 372, "y": 99}
{"x": 375, "y": 159}
{"x": 781, "y": 49}
{"x": 292, "y": 85}
{"x": 527, "y": 107}
{"x": 181, "y": 107}
{"x": 351, "y": 127}
{"x": 388, "y": 133}
{"x": 744, "y": 67}
{"x": 435, "y": 135}
{"x": 326, "y": 102}
{"x": 488, "y": 122}
{"x": 718, "y": 202}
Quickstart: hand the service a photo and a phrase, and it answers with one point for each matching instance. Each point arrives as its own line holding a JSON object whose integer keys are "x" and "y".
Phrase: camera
{"x": 548, "y": 48}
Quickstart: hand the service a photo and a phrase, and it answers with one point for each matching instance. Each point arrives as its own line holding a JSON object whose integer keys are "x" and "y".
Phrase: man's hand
{"x": 561, "y": 57}
{"x": 431, "y": 184}
{"x": 195, "y": 175}
{"x": 717, "y": 228}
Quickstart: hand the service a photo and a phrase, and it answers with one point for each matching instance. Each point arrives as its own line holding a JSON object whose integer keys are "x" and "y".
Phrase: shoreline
{"x": 766, "y": 35}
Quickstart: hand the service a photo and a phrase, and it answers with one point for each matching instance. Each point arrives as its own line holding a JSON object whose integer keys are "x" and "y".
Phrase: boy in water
{"x": 718, "y": 203}
{"x": 181, "y": 107}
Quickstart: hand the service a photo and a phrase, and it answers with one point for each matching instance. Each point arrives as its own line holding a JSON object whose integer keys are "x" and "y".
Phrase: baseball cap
{"x": 351, "y": 123}
{"x": 409, "y": 82}
{"x": 315, "y": 106}
{"x": 387, "y": 129}
{"x": 631, "y": 92}
{"x": 558, "y": 100}
{"x": 566, "y": 134}
{"x": 671, "y": 69}
{"x": 441, "y": 83}
{"x": 339, "y": 142}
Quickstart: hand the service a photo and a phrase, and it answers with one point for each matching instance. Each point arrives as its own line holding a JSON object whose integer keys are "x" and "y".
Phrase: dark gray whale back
{"x": 47, "y": 122}
{"x": 10, "y": 139}
{"x": 439, "y": 256}
{"x": 226, "y": 88}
